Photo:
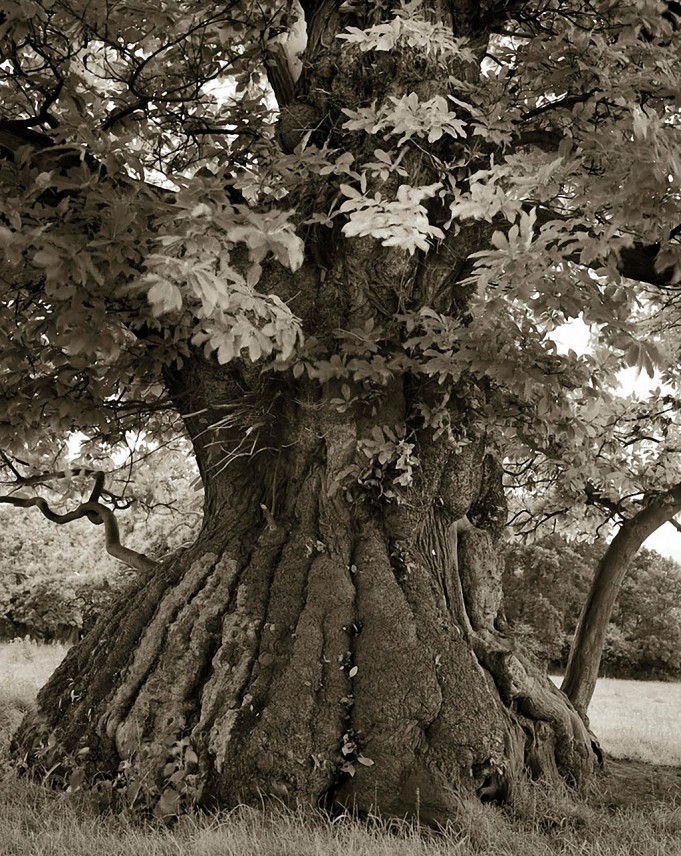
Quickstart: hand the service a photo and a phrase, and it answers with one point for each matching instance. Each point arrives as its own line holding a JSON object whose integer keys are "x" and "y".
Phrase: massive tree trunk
{"x": 316, "y": 643}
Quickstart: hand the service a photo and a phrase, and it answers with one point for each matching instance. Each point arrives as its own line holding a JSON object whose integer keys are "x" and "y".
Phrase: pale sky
{"x": 666, "y": 541}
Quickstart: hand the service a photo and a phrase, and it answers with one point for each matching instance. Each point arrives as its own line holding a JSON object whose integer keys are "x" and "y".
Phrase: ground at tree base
{"x": 634, "y": 810}
{"x": 623, "y": 784}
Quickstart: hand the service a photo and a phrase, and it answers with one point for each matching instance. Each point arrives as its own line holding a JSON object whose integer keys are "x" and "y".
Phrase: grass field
{"x": 634, "y": 719}
{"x": 638, "y": 719}
{"x": 24, "y": 668}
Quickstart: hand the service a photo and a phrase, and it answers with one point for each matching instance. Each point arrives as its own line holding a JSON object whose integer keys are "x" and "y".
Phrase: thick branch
{"x": 46, "y": 155}
{"x": 314, "y": 7}
{"x": 558, "y": 104}
{"x": 118, "y": 502}
{"x": 13, "y": 135}
{"x": 498, "y": 12}
{"x": 638, "y": 262}
{"x": 593, "y": 497}
{"x": 279, "y": 74}
{"x": 96, "y": 513}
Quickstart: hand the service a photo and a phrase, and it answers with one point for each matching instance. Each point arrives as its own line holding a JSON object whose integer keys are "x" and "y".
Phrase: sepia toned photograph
{"x": 340, "y": 428}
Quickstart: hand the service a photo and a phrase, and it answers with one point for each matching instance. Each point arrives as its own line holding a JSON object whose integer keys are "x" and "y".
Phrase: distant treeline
{"x": 545, "y": 584}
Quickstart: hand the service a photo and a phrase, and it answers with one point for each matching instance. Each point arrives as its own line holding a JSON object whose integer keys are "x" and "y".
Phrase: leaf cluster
{"x": 148, "y": 210}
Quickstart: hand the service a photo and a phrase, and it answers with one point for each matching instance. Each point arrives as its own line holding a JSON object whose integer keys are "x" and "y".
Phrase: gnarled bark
{"x": 316, "y": 644}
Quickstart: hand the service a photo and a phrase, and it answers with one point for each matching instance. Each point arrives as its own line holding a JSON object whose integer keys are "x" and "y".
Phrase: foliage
{"x": 154, "y": 223}
{"x": 545, "y": 584}
{"x": 648, "y": 613}
{"x": 630, "y": 455}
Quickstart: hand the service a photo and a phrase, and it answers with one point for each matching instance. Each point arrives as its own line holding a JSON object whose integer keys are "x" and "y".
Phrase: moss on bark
{"x": 340, "y": 651}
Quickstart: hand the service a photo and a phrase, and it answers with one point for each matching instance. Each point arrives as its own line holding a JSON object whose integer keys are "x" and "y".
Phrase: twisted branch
{"x": 96, "y": 513}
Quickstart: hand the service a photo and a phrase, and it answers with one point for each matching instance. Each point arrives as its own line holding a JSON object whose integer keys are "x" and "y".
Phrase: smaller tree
{"x": 619, "y": 472}
{"x": 585, "y": 654}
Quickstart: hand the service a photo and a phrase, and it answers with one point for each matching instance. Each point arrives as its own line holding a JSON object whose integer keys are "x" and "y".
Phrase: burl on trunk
{"x": 318, "y": 643}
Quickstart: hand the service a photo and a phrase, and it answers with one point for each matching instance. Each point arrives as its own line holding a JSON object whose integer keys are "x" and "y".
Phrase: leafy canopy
{"x": 148, "y": 192}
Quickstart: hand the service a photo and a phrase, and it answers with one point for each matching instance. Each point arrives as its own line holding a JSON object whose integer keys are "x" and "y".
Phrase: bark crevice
{"x": 334, "y": 649}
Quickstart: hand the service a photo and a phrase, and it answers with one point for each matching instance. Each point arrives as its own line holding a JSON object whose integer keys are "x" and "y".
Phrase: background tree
{"x": 55, "y": 579}
{"x": 623, "y": 477}
{"x": 545, "y": 584}
{"x": 341, "y": 269}
{"x": 648, "y": 614}
{"x": 641, "y": 638}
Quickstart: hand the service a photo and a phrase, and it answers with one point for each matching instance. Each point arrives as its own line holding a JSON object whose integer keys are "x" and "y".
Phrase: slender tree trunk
{"x": 587, "y": 647}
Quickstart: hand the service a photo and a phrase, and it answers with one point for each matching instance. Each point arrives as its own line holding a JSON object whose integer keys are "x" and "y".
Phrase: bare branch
{"x": 98, "y": 514}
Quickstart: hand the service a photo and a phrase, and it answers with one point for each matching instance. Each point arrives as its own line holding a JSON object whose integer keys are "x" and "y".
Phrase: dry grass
{"x": 24, "y": 668}
{"x": 36, "y": 822}
{"x": 641, "y": 720}
{"x": 39, "y": 824}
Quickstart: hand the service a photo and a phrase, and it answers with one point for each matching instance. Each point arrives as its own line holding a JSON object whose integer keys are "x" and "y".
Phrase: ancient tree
{"x": 334, "y": 238}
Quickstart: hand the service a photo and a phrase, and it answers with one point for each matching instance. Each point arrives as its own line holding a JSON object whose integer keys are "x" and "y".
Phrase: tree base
{"x": 318, "y": 673}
